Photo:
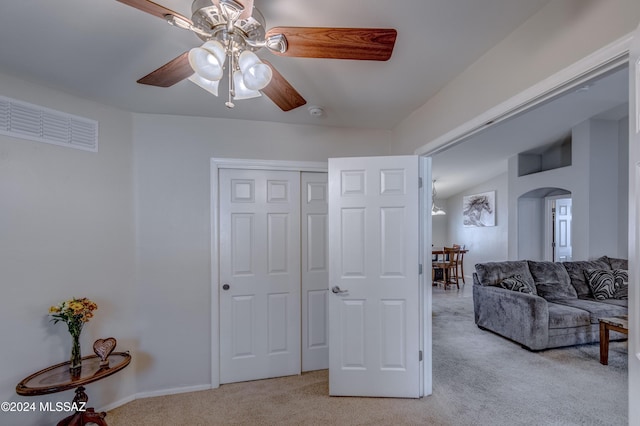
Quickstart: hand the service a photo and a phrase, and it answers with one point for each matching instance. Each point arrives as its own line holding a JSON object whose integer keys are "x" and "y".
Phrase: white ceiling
{"x": 97, "y": 49}
{"x": 486, "y": 154}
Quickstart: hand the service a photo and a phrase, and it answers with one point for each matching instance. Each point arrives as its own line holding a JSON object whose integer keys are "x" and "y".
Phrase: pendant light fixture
{"x": 435, "y": 210}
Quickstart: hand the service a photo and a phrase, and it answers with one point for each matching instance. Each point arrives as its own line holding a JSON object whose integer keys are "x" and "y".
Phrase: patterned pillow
{"x": 621, "y": 277}
{"x": 602, "y": 283}
{"x": 516, "y": 283}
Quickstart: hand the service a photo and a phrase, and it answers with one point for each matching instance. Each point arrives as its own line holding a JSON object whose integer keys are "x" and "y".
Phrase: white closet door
{"x": 315, "y": 271}
{"x": 259, "y": 274}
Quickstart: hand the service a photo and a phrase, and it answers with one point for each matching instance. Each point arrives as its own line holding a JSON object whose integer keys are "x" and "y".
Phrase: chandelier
{"x": 232, "y": 35}
{"x": 435, "y": 210}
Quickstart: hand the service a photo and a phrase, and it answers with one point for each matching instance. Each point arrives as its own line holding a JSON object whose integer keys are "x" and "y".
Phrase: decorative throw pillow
{"x": 621, "y": 277}
{"x": 576, "y": 269}
{"x": 602, "y": 283}
{"x": 516, "y": 283}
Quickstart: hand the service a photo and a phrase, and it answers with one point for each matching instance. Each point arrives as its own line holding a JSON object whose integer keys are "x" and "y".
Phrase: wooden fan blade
{"x": 281, "y": 92}
{"x": 153, "y": 8}
{"x": 170, "y": 73}
{"x": 371, "y": 44}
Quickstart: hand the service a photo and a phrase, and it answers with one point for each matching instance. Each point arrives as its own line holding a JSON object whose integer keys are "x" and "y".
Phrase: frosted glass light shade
{"x": 255, "y": 73}
{"x": 208, "y": 60}
{"x": 240, "y": 89}
{"x": 208, "y": 85}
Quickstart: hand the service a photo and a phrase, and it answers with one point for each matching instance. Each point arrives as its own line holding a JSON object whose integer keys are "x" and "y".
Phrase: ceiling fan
{"x": 234, "y": 29}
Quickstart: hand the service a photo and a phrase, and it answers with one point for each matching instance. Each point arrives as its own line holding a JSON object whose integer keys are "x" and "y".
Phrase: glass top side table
{"x": 58, "y": 378}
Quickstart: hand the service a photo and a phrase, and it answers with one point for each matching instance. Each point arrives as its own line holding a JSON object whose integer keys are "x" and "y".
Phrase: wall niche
{"x": 548, "y": 157}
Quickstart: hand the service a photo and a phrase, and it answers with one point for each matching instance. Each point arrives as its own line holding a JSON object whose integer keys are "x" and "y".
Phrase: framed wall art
{"x": 479, "y": 210}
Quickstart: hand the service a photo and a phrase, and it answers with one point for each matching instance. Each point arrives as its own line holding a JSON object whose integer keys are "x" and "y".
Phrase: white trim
{"x": 172, "y": 391}
{"x": 237, "y": 163}
{"x": 426, "y": 294}
{"x": 118, "y": 403}
{"x": 598, "y": 63}
{"x": 297, "y": 166}
{"x": 152, "y": 394}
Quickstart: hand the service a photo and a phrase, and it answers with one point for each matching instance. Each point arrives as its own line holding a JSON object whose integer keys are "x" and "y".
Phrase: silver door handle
{"x": 336, "y": 290}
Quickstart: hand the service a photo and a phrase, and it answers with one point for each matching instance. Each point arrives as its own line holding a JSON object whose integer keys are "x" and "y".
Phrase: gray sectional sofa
{"x": 545, "y": 305}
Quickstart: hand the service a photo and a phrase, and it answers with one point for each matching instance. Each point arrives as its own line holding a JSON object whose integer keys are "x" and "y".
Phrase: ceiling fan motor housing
{"x": 250, "y": 31}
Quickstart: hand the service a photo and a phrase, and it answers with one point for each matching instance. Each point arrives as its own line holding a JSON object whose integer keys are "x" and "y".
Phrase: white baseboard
{"x": 117, "y": 404}
{"x": 172, "y": 391}
{"x": 163, "y": 392}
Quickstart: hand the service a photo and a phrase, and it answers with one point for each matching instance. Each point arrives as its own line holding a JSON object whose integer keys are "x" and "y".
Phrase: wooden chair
{"x": 460, "y": 262}
{"x": 449, "y": 266}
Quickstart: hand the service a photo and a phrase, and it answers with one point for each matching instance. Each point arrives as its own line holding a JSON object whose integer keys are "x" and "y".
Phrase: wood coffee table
{"x": 619, "y": 324}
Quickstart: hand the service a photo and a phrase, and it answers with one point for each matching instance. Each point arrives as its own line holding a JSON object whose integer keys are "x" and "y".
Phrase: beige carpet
{"x": 479, "y": 379}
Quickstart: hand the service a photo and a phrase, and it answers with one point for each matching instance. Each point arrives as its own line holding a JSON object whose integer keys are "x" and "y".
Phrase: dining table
{"x": 438, "y": 255}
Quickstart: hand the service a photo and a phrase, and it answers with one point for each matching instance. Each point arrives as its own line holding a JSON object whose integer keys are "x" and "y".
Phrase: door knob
{"x": 226, "y": 286}
{"x": 336, "y": 290}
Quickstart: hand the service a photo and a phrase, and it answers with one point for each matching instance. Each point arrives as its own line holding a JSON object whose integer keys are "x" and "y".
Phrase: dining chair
{"x": 460, "y": 261}
{"x": 449, "y": 266}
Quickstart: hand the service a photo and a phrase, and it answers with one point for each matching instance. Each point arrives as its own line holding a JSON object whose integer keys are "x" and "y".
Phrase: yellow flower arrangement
{"x": 77, "y": 311}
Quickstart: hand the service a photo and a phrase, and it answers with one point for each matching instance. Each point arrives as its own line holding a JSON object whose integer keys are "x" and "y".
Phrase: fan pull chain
{"x": 229, "y": 104}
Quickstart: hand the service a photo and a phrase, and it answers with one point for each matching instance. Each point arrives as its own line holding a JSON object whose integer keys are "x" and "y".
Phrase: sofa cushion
{"x": 616, "y": 263}
{"x": 596, "y": 308}
{"x": 602, "y": 283}
{"x": 562, "y": 316}
{"x": 576, "y": 273}
{"x": 618, "y": 302}
{"x": 552, "y": 280}
{"x": 492, "y": 273}
{"x": 516, "y": 283}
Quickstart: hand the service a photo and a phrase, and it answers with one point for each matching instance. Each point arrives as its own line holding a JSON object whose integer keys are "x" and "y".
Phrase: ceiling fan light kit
{"x": 232, "y": 30}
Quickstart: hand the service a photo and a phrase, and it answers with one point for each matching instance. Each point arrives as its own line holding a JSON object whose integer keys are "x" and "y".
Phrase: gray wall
{"x": 485, "y": 244}
{"x": 66, "y": 230}
{"x": 172, "y": 192}
{"x": 593, "y": 180}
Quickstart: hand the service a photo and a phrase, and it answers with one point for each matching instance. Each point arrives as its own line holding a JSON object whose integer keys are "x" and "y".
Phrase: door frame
{"x": 246, "y": 164}
{"x": 603, "y": 60}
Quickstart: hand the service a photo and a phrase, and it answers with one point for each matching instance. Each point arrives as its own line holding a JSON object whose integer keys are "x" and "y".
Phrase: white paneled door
{"x": 562, "y": 230}
{"x": 374, "y": 277}
{"x": 315, "y": 271}
{"x": 259, "y": 268}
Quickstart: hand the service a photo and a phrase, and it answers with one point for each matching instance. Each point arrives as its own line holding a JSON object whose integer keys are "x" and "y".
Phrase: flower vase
{"x": 75, "y": 363}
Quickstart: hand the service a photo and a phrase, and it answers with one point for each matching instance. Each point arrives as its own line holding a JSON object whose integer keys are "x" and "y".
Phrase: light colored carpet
{"x": 478, "y": 379}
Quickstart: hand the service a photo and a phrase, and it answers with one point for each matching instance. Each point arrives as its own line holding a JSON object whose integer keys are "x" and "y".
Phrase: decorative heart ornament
{"x": 103, "y": 348}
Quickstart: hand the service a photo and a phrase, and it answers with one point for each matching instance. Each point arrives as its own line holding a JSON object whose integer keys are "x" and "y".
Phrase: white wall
{"x": 592, "y": 179}
{"x": 172, "y": 193}
{"x": 66, "y": 230}
{"x": 440, "y": 228}
{"x": 530, "y": 218}
{"x": 560, "y": 34}
{"x": 485, "y": 244}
